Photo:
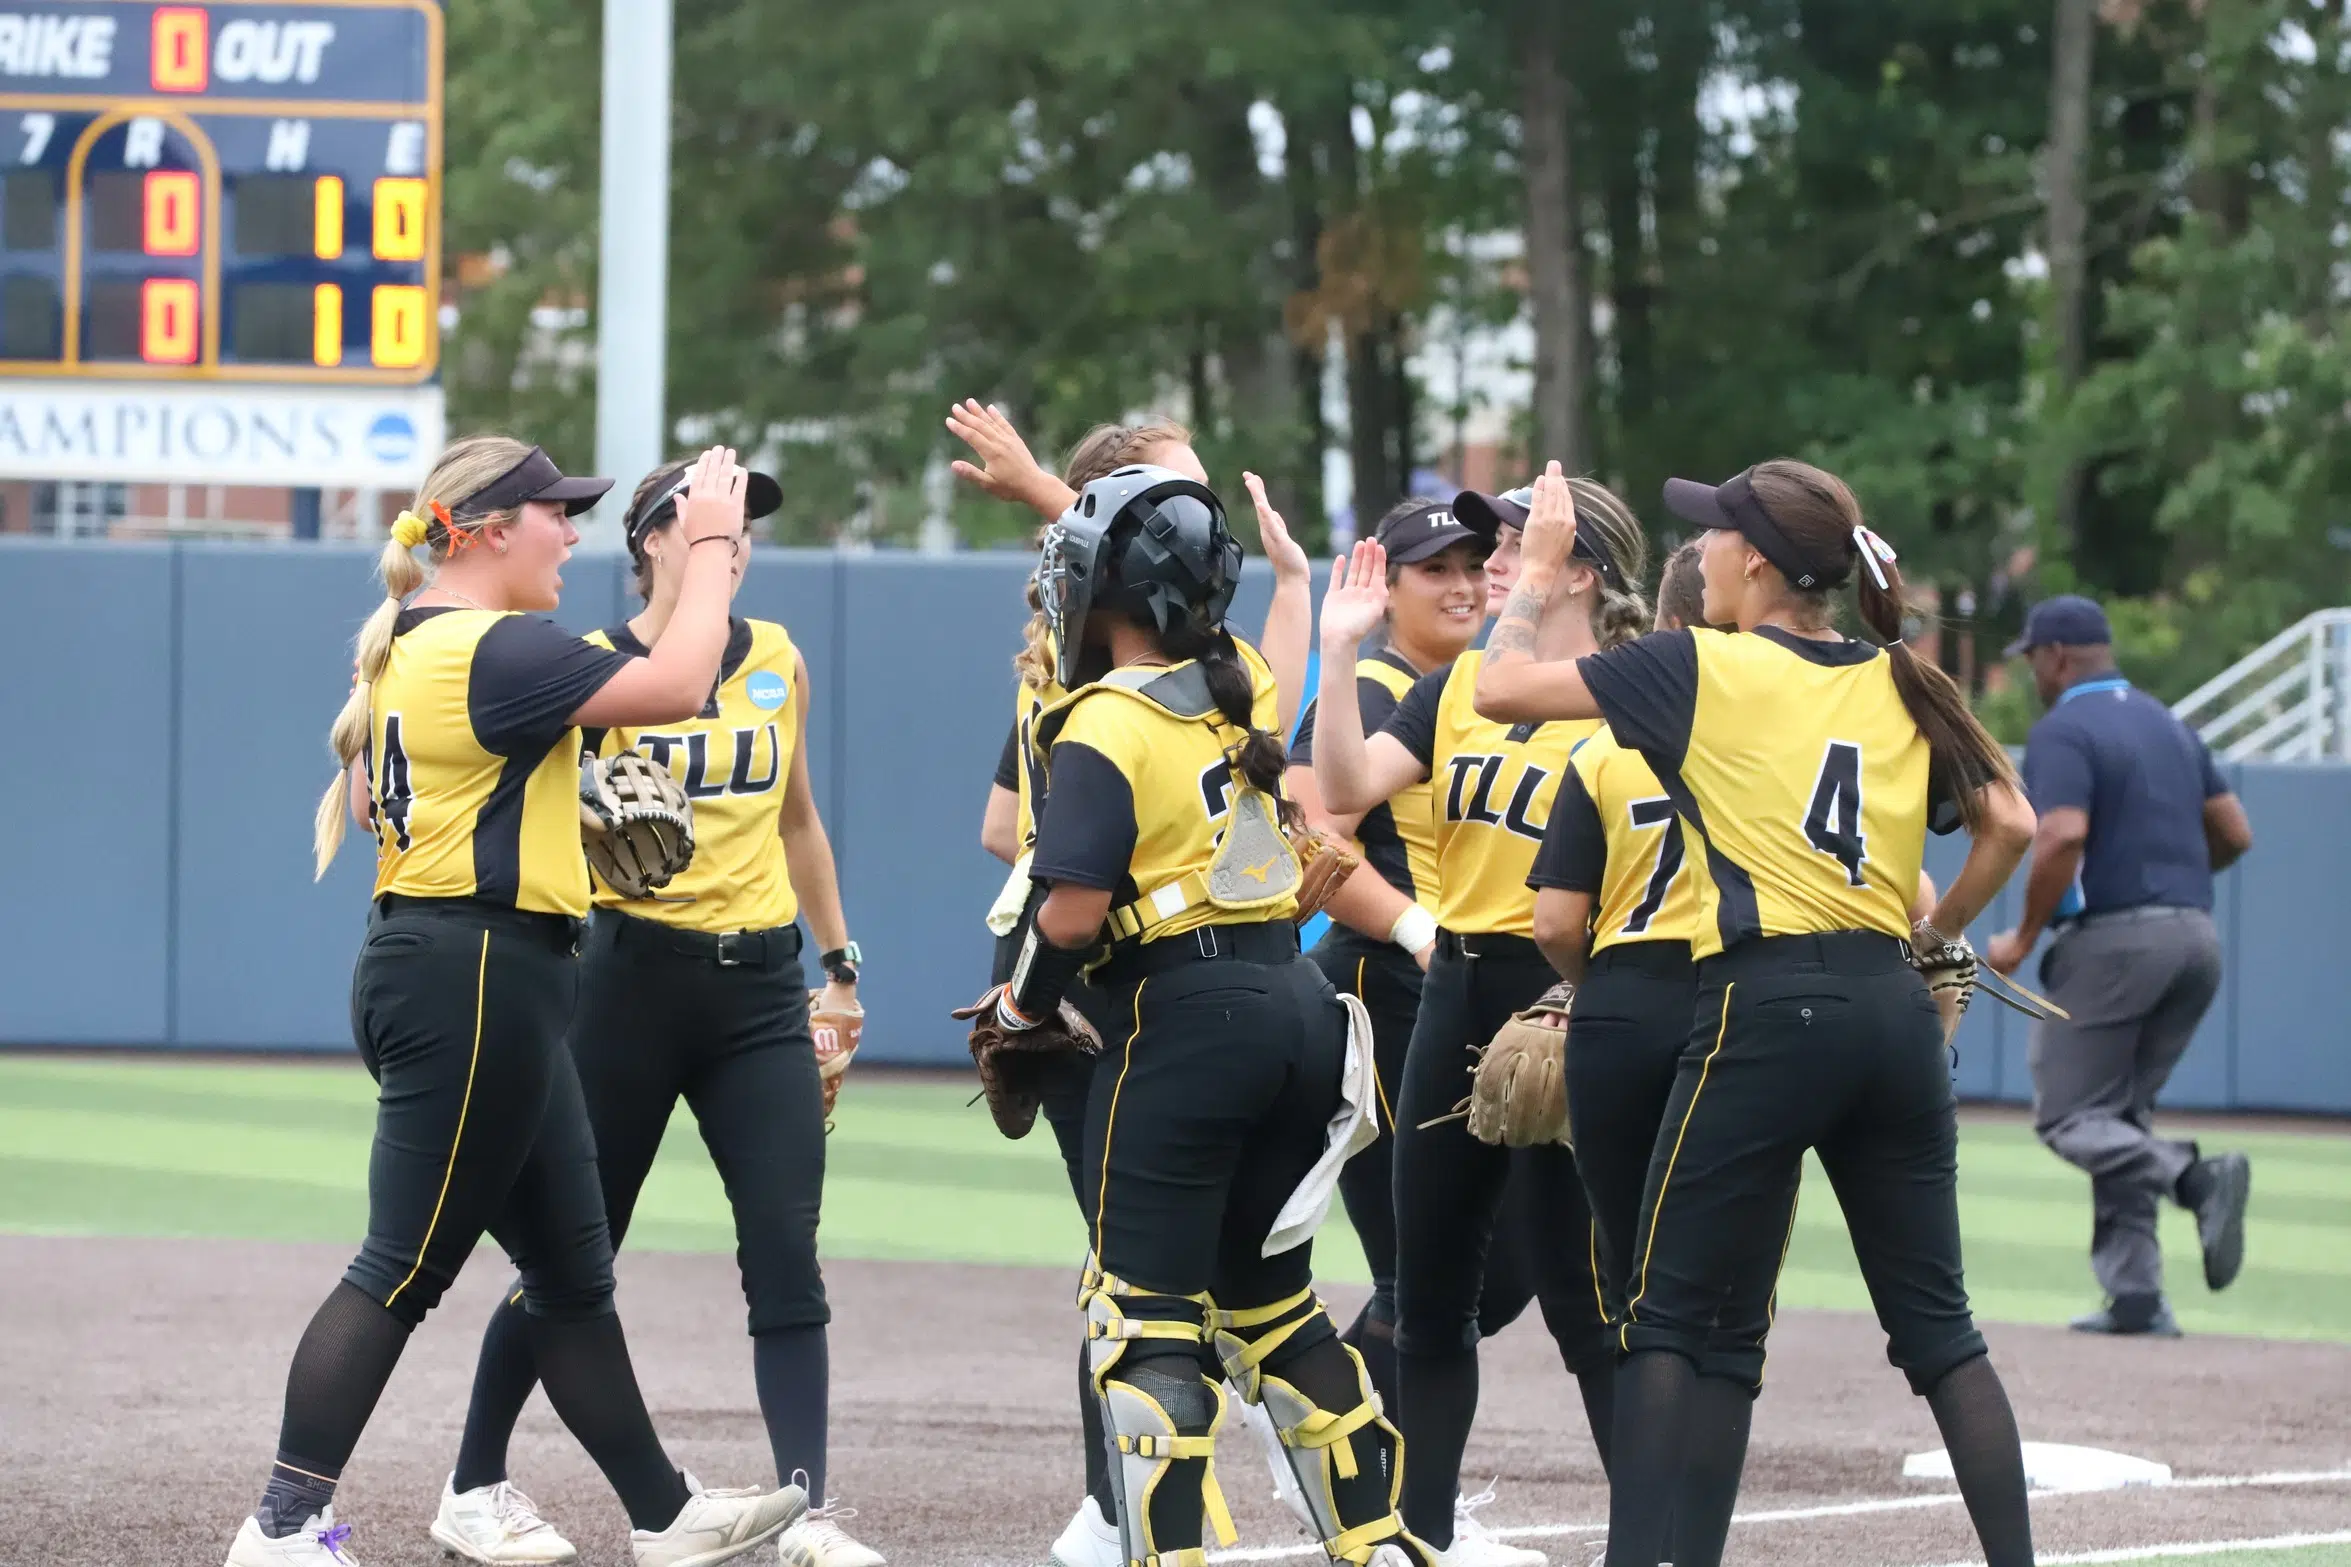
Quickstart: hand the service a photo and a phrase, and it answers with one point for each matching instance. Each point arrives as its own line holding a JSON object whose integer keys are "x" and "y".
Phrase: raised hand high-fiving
{"x": 1357, "y": 599}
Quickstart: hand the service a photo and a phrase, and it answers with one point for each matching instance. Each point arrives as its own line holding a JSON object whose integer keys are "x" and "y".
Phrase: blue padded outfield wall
{"x": 169, "y": 703}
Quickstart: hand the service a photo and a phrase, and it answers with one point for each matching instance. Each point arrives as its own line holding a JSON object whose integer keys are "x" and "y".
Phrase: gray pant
{"x": 2137, "y": 985}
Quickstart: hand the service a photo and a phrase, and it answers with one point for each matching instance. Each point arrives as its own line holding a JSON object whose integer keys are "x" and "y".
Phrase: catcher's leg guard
{"x": 1160, "y": 1412}
{"x": 1348, "y": 1459}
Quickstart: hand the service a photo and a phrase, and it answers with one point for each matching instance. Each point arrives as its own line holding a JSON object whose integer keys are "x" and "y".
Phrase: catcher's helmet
{"x": 1145, "y": 542}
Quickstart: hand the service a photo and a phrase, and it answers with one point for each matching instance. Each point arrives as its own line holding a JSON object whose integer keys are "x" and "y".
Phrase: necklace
{"x": 452, "y": 593}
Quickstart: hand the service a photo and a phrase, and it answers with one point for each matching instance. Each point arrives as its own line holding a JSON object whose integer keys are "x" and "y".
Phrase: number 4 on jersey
{"x": 1833, "y": 822}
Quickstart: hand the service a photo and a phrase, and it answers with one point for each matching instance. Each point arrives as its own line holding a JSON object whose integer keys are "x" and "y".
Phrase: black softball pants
{"x": 1450, "y": 1191}
{"x": 459, "y": 1009}
{"x": 1827, "y": 1042}
{"x": 723, "y": 1024}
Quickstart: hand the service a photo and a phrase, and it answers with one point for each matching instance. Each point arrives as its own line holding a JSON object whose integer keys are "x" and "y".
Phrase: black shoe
{"x": 2131, "y": 1316}
{"x": 2220, "y": 1186}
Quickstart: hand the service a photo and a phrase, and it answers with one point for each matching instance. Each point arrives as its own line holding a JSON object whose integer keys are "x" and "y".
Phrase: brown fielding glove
{"x": 836, "y": 1031}
{"x": 1014, "y": 1064}
{"x": 1519, "y": 1096}
{"x": 636, "y": 823}
{"x": 1325, "y": 861}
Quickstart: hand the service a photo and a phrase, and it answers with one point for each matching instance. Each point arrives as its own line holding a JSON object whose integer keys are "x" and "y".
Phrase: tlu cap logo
{"x": 1440, "y": 519}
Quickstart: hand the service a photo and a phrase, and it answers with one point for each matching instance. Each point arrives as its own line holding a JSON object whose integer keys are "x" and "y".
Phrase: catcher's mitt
{"x": 1519, "y": 1096}
{"x": 1015, "y": 1063}
{"x": 836, "y": 1031}
{"x": 636, "y": 823}
{"x": 1325, "y": 862}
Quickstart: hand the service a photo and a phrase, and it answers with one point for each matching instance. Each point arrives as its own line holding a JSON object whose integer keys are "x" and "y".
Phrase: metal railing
{"x": 2288, "y": 700}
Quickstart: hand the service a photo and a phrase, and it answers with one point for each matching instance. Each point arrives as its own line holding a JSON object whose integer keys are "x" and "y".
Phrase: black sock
{"x": 1598, "y": 1385}
{"x": 792, "y": 1369}
{"x": 1979, "y": 1431}
{"x": 339, "y": 1371}
{"x": 585, "y": 1366}
{"x": 1374, "y": 1338}
{"x": 1097, "y": 1441}
{"x": 1721, "y": 1414}
{"x": 502, "y": 1381}
{"x": 1653, "y": 1395}
{"x": 1436, "y": 1400}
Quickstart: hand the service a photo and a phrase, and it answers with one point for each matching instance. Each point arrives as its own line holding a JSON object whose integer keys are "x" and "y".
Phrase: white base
{"x": 2057, "y": 1466}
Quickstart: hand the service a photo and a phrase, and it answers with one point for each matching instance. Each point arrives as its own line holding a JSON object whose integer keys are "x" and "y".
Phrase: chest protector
{"x": 1252, "y": 868}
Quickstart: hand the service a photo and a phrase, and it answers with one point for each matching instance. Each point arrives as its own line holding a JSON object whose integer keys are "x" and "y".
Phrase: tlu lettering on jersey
{"x": 747, "y": 751}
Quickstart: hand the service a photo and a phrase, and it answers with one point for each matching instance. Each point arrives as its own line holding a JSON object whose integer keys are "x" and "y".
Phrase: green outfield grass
{"x": 138, "y": 1146}
{"x": 2258, "y": 1556}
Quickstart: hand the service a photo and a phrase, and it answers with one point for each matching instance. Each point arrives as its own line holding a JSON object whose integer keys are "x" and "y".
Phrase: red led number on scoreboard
{"x": 174, "y": 220}
{"x": 181, "y": 49}
{"x": 167, "y": 321}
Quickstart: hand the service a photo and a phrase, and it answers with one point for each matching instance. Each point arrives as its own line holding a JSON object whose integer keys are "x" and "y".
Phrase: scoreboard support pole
{"x": 632, "y": 290}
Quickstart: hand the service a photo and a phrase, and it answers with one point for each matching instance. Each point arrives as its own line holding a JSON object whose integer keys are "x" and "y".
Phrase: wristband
{"x": 711, "y": 538}
{"x": 1414, "y": 929}
{"x": 1041, "y": 977}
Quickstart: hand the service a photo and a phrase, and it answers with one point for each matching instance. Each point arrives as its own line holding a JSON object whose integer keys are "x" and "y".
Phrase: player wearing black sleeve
{"x": 1493, "y": 786}
{"x": 1807, "y": 768}
{"x": 1383, "y": 931}
{"x": 1208, "y": 1159}
{"x": 467, "y": 710}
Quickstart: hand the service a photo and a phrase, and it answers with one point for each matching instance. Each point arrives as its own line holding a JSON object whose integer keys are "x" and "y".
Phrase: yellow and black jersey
{"x": 1399, "y": 836}
{"x": 1491, "y": 786}
{"x": 734, "y": 760}
{"x": 1614, "y": 834}
{"x": 473, "y": 760}
{"x": 1021, "y": 767}
{"x": 1808, "y": 784}
{"x": 1139, "y": 792}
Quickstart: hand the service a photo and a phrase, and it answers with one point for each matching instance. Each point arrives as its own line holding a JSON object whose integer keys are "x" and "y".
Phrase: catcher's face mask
{"x": 1173, "y": 553}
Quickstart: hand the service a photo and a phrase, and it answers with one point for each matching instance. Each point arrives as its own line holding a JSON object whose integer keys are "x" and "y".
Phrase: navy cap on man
{"x": 2068, "y": 620}
{"x": 2135, "y": 818}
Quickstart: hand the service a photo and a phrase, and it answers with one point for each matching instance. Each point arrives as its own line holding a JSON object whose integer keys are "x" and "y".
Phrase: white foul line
{"x": 2140, "y": 1553}
{"x": 1891, "y": 1504}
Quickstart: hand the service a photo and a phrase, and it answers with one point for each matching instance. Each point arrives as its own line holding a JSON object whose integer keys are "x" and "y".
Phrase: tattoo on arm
{"x": 1514, "y": 633}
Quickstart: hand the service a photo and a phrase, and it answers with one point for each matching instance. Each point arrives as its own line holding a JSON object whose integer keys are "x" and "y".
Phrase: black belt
{"x": 558, "y": 930}
{"x": 1268, "y": 942}
{"x": 728, "y": 949}
{"x": 1484, "y": 946}
{"x": 1665, "y": 959}
{"x": 1839, "y": 951}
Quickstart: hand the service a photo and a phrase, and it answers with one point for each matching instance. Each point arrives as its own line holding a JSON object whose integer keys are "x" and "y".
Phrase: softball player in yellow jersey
{"x": 698, "y": 993}
{"x": 467, "y": 710}
{"x": 1212, "y": 1107}
{"x": 1808, "y": 768}
{"x": 1383, "y": 931}
{"x": 1493, "y": 785}
{"x": 1009, "y": 472}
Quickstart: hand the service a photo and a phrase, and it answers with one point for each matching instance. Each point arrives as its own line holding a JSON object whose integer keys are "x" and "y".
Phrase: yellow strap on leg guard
{"x": 1357, "y": 1544}
{"x": 1243, "y": 1353}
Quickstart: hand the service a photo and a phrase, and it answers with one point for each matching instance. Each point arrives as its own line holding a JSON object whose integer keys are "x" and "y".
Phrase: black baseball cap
{"x": 761, "y": 495}
{"x": 1487, "y": 515}
{"x": 534, "y": 478}
{"x": 1429, "y": 528}
{"x": 2068, "y": 620}
{"x": 1733, "y": 504}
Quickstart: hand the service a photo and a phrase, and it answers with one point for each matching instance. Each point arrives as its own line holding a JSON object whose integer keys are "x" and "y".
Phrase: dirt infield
{"x": 139, "y": 1388}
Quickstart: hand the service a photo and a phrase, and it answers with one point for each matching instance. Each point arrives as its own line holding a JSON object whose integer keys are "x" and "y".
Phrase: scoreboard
{"x": 235, "y": 191}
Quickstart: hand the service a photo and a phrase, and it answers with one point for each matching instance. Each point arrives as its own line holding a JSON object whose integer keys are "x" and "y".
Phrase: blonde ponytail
{"x": 464, "y": 468}
{"x": 1619, "y": 613}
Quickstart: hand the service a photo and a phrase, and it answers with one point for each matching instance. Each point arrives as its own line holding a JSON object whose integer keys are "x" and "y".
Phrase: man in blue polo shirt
{"x": 2135, "y": 818}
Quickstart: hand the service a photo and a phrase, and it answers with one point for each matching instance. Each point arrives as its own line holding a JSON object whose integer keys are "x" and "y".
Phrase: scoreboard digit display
{"x": 232, "y": 191}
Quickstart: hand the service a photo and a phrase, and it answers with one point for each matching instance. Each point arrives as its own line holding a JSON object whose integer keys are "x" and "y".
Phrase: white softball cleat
{"x": 498, "y": 1526}
{"x": 1091, "y": 1540}
{"x": 318, "y": 1543}
{"x": 719, "y": 1525}
{"x": 818, "y": 1540}
{"x": 1474, "y": 1544}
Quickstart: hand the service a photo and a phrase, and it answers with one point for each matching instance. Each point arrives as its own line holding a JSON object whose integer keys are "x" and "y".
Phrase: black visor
{"x": 535, "y": 478}
{"x": 1487, "y": 515}
{"x": 1733, "y": 504}
{"x": 761, "y": 496}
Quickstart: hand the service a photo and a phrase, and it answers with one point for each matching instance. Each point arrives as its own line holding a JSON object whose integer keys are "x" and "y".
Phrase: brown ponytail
{"x": 1819, "y": 514}
{"x": 1259, "y": 757}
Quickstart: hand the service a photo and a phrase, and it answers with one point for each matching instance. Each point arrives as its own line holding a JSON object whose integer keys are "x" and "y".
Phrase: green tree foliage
{"x": 1809, "y": 227}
